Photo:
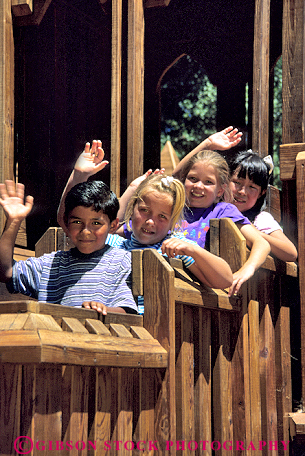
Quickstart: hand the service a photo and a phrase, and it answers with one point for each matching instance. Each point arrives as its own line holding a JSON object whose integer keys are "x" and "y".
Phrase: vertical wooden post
{"x": 260, "y": 119}
{"x": 6, "y": 95}
{"x": 135, "y": 88}
{"x": 116, "y": 98}
{"x": 300, "y": 169}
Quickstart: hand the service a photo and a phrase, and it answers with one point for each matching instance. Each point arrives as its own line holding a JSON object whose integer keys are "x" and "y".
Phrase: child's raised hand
{"x": 135, "y": 183}
{"x": 13, "y": 202}
{"x": 91, "y": 160}
{"x": 225, "y": 139}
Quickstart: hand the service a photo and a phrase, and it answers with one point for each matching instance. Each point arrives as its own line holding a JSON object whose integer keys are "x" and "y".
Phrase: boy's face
{"x": 88, "y": 229}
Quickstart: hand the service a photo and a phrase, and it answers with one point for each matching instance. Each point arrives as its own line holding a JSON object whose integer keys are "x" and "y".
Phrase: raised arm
{"x": 222, "y": 140}
{"x": 90, "y": 162}
{"x": 16, "y": 209}
{"x": 210, "y": 269}
{"x": 260, "y": 249}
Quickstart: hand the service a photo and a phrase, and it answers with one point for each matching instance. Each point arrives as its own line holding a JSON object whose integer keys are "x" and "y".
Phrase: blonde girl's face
{"x": 202, "y": 188}
{"x": 245, "y": 192}
{"x": 151, "y": 218}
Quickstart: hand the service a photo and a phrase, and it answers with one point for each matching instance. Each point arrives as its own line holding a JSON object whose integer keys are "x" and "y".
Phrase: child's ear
{"x": 114, "y": 226}
{"x": 220, "y": 192}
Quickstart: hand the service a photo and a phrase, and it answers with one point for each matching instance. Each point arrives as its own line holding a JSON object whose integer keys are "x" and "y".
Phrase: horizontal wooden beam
{"x": 22, "y": 7}
{"x": 39, "y": 9}
{"x": 288, "y": 154}
{"x": 44, "y": 346}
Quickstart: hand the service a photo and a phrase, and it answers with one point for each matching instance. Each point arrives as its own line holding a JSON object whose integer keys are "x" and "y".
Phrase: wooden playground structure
{"x": 200, "y": 373}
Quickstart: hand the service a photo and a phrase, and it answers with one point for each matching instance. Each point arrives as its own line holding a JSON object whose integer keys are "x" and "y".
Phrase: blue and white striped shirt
{"x": 71, "y": 277}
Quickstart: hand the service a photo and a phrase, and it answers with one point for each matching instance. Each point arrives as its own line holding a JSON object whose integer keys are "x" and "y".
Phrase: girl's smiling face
{"x": 201, "y": 185}
{"x": 245, "y": 192}
{"x": 151, "y": 218}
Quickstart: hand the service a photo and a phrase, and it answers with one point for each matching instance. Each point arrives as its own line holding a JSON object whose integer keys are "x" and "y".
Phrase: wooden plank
{"x": 12, "y": 321}
{"x": 255, "y": 423}
{"x": 222, "y": 380}
{"x": 122, "y": 319}
{"x": 288, "y": 155}
{"x": 18, "y": 306}
{"x": 203, "y": 379}
{"x": 73, "y": 325}
{"x": 10, "y": 406}
{"x": 40, "y": 7}
{"x": 159, "y": 320}
{"x": 185, "y": 374}
{"x": 116, "y": 96}
{"x": 300, "y": 166}
{"x": 261, "y": 51}
{"x": 22, "y": 7}
{"x": 140, "y": 333}
{"x": 267, "y": 378}
{"x": 168, "y": 158}
{"x": 52, "y": 240}
{"x": 6, "y": 96}
{"x": 273, "y": 202}
{"x": 119, "y": 331}
{"x": 137, "y": 272}
{"x": 292, "y": 71}
{"x": 75, "y": 390}
{"x": 232, "y": 244}
{"x": 47, "y": 410}
{"x": 37, "y": 321}
{"x": 100, "y": 431}
{"x": 96, "y": 327}
{"x": 20, "y": 347}
{"x": 96, "y": 350}
{"x": 135, "y": 90}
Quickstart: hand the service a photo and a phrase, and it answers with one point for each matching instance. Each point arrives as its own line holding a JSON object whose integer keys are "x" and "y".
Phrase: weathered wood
{"x": 168, "y": 158}
{"x": 52, "y": 240}
{"x": 10, "y": 406}
{"x": 22, "y": 7}
{"x": 203, "y": 378}
{"x": 288, "y": 154}
{"x": 40, "y": 8}
{"x": 233, "y": 250}
{"x": 73, "y": 325}
{"x": 292, "y": 72}
{"x": 155, "y": 3}
{"x": 260, "y": 105}
{"x": 137, "y": 272}
{"x": 119, "y": 331}
{"x": 6, "y": 96}
{"x": 135, "y": 88}
{"x": 159, "y": 303}
{"x": 116, "y": 96}
{"x": 273, "y": 202}
{"x": 300, "y": 172}
{"x": 96, "y": 327}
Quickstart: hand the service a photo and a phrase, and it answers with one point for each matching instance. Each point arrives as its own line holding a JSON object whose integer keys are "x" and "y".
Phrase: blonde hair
{"x": 162, "y": 184}
{"x": 220, "y": 165}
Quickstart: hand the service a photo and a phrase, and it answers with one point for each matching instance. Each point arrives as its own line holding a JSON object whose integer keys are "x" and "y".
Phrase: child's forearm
{"x": 281, "y": 246}
{"x": 215, "y": 270}
{"x": 7, "y": 243}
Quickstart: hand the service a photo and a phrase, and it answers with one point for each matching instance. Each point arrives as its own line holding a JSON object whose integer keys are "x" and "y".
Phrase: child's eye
{"x": 192, "y": 179}
{"x": 96, "y": 223}
{"x": 163, "y": 217}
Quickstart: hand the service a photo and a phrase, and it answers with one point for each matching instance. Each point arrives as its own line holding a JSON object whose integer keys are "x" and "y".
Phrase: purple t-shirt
{"x": 197, "y": 220}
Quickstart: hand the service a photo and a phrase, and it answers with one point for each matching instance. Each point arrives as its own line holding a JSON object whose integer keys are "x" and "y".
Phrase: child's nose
{"x": 150, "y": 221}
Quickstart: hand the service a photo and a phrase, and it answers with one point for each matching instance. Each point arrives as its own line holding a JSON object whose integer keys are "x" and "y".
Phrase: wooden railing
{"x": 204, "y": 374}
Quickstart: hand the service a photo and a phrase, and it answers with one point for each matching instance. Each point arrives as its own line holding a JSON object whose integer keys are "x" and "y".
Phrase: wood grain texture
{"x": 135, "y": 90}
{"x": 260, "y": 106}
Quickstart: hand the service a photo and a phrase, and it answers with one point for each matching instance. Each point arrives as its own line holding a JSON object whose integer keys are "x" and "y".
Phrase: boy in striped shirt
{"x": 92, "y": 274}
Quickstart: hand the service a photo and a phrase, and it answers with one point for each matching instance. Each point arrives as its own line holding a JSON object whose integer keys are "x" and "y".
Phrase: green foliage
{"x": 277, "y": 121}
{"x": 188, "y": 106}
